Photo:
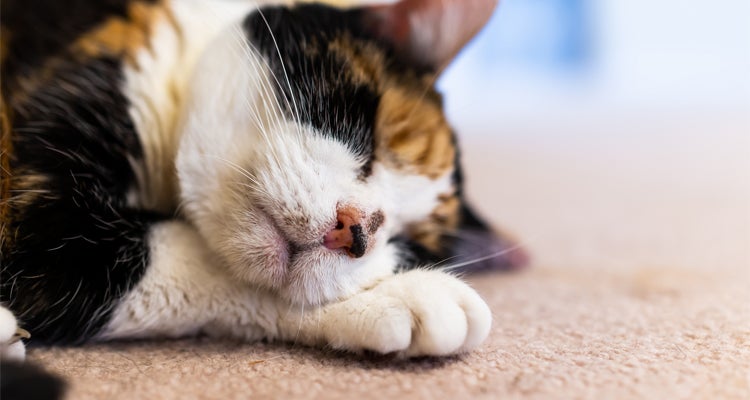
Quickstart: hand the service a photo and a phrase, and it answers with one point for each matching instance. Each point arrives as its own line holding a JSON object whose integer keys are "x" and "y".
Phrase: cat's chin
{"x": 317, "y": 276}
{"x": 260, "y": 256}
{"x": 304, "y": 276}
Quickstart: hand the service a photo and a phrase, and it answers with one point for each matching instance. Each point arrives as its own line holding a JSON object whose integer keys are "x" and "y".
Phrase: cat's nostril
{"x": 348, "y": 233}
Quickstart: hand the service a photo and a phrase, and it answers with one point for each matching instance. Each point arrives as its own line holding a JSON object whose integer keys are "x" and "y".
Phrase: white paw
{"x": 418, "y": 313}
{"x": 11, "y": 346}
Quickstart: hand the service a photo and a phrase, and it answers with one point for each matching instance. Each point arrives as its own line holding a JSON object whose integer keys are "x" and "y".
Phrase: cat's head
{"x": 316, "y": 156}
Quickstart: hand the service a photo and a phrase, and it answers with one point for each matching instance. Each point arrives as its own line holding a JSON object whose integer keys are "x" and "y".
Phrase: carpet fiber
{"x": 640, "y": 288}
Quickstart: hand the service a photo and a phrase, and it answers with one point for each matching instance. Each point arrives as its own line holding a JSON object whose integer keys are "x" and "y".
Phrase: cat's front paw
{"x": 418, "y": 313}
{"x": 11, "y": 346}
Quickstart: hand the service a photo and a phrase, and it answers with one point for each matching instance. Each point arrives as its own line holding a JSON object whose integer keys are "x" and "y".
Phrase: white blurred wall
{"x": 674, "y": 53}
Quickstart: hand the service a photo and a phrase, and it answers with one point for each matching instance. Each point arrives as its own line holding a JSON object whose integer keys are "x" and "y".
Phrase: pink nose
{"x": 348, "y": 233}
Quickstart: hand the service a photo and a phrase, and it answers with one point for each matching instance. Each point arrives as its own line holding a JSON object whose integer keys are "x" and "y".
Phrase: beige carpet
{"x": 640, "y": 286}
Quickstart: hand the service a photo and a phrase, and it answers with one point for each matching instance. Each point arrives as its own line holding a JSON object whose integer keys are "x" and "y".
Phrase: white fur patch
{"x": 156, "y": 85}
{"x": 184, "y": 292}
{"x": 10, "y": 349}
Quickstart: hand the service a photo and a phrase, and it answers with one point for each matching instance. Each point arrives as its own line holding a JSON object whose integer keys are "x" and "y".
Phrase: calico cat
{"x": 244, "y": 169}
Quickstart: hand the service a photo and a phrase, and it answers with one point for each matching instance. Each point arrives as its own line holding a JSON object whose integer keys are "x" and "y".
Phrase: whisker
{"x": 242, "y": 49}
{"x": 267, "y": 94}
{"x": 484, "y": 258}
{"x": 301, "y": 320}
{"x": 430, "y": 84}
{"x": 247, "y": 174}
{"x": 437, "y": 264}
{"x": 281, "y": 61}
{"x": 246, "y": 48}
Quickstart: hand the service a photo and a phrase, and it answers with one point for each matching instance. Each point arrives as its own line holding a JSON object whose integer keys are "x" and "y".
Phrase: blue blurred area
{"x": 537, "y": 34}
{"x": 549, "y": 59}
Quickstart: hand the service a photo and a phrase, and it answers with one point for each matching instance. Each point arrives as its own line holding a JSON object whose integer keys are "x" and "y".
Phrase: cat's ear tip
{"x": 429, "y": 33}
{"x": 514, "y": 255}
{"x": 516, "y": 258}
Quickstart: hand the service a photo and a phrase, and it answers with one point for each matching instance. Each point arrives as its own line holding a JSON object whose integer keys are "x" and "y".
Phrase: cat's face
{"x": 316, "y": 157}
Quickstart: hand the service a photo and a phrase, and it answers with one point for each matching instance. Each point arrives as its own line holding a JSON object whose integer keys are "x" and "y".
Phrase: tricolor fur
{"x": 237, "y": 168}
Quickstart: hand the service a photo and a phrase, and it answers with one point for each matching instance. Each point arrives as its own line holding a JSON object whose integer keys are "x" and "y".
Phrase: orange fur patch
{"x": 122, "y": 36}
{"x": 411, "y": 131}
{"x": 365, "y": 61}
{"x": 412, "y": 134}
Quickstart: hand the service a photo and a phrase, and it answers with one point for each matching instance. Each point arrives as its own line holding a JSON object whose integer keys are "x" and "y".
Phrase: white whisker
{"x": 281, "y": 61}
{"x": 484, "y": 258}
{"x": 245, "y": 48}
{"x": 247, "y": 174}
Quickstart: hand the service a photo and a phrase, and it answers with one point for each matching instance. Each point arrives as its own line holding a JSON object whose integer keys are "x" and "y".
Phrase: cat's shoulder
{"x": 40, "y": 37}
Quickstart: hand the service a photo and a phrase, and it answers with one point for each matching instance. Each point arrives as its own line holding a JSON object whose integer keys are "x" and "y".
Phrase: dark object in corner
{"x": 28, "y": 381}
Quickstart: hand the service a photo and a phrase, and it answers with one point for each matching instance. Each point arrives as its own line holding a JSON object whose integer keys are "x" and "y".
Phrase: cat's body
{"x": 212, "y": 167}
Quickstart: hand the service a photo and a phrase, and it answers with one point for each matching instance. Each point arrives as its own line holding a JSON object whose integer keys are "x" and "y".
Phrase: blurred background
{"x": 611, "y": 131}
{"x": 607, "y": 56}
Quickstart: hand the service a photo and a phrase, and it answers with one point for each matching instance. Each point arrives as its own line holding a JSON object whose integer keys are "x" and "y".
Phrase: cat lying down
{"x": 238, "y": 169}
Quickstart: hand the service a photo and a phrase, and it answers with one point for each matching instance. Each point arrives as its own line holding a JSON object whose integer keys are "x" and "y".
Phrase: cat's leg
{"x": 185, "y": 291}
{"x": 11, "y": 346}
{"x": 69, "y": 266}
{"x": 416, "y": 313}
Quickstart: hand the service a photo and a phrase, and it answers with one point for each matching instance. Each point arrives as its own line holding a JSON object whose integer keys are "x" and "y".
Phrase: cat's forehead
{"x": 331, "y": 74}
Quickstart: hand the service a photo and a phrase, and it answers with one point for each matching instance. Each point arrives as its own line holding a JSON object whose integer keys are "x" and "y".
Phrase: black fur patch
{"x": 294, "y": 41}
{"x": 79, "y": 248}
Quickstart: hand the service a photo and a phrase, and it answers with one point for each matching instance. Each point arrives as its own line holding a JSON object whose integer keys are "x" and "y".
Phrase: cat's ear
{"x": 477, "y": 247}
{"x": 428, "y": 33}
{"x": 471, "y": 246}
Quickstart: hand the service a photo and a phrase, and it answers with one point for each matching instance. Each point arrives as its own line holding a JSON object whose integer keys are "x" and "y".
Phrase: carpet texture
{"x": 640, "y": 286}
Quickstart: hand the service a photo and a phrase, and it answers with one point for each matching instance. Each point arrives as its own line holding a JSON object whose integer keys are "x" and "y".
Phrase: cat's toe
{"x": 458, "y": 323}
{"x": 447, "y": 316}
{"x": 392, "y": 333}
{"x": 478, "y": 318}
{"x": 441, "y": 330}
{"x": 11, "y": 346}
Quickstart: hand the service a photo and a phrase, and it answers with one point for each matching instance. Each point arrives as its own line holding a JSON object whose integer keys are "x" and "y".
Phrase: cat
{"x": 255, "y": 170}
